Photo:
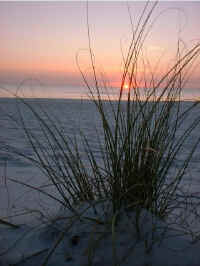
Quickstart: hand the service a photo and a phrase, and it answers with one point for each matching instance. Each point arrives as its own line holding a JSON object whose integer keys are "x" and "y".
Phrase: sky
{"x": 45, "y": 42}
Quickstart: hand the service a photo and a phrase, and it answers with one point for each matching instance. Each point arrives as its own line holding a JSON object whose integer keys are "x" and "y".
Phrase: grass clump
{"x": 141, "y": 144}
{"x": 138, "y": 145}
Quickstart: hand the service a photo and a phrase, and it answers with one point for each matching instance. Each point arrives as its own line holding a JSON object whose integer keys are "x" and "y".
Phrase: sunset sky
{"x": 40, "y": 40}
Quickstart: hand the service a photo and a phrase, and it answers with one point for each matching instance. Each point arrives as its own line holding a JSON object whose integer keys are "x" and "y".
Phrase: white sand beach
{"x": 91, "y": 241}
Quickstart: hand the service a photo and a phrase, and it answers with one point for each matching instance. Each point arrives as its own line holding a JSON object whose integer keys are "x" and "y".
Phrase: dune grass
{"x": 139, "y": 144}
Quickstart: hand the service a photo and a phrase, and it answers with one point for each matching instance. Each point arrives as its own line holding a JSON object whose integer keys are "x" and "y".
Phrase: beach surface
{"x": 95, "y": 240}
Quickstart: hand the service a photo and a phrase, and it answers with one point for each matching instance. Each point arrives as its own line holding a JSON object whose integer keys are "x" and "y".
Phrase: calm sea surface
{"x": 71, "y": 116}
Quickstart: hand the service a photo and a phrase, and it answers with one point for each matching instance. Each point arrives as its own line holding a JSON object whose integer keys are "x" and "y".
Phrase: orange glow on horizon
{"x": 126, "y": 86}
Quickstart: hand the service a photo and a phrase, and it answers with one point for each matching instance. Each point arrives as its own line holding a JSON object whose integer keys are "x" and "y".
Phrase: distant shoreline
{"x": 76, "y": 99}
